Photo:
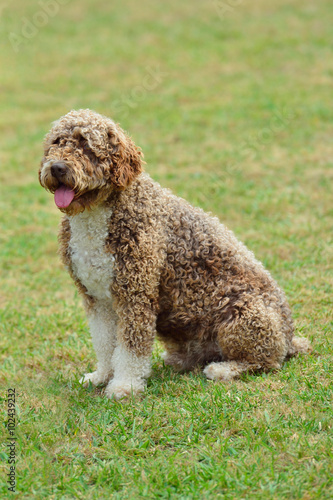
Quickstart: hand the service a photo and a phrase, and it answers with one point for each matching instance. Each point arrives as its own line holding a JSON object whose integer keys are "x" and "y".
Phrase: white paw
{"x": 96, "y": 378}
{"x": 118, "y": 390}
{"x": 220, "y": 371}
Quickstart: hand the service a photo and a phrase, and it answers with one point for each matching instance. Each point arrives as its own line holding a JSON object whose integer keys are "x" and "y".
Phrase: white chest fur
{"x": 91, "y": 264}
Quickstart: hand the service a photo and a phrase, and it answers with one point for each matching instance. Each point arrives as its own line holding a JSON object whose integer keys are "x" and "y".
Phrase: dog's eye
{"x": 87, "y": 151}
{"x": 57, "y": 140}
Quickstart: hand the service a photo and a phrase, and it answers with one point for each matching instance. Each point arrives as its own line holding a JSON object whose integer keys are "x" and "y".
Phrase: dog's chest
{"x": 91, "y": 264}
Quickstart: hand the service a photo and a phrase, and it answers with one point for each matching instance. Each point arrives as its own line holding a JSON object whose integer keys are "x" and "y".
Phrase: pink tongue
{"x": 63, "y": 196}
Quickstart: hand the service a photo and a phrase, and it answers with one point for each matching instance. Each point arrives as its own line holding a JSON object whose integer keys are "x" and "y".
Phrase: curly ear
{"x": 126, "y": 159}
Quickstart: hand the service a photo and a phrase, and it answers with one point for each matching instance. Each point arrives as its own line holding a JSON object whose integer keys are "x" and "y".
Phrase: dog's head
{"x": 86, "y": 157}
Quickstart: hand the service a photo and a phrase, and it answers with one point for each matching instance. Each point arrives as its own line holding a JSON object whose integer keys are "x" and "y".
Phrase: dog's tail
{"x": 299, "y": 345}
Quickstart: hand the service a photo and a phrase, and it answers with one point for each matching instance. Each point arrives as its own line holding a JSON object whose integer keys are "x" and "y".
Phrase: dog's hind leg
{"x": 187, "y": 355}
{"x": 253, "y": 341}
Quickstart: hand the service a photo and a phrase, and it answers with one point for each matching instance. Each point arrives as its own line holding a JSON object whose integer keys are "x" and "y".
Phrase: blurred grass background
{"x": 231, "y": 103}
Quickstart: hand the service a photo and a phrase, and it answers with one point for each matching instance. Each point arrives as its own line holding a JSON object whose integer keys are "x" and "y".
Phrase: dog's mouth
{"x": 69, "y": 200}
{"x": 63, "y": 196}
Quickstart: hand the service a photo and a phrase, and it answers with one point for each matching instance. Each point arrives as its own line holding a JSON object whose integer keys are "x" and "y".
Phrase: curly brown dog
{"x": 147, "y": 263}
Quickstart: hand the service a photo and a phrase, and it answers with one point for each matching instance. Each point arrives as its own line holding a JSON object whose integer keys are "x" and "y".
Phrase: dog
{"x": 148, "y": 264}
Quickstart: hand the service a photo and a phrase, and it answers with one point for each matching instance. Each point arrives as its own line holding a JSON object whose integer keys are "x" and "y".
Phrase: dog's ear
{"x": 126, "y": 158}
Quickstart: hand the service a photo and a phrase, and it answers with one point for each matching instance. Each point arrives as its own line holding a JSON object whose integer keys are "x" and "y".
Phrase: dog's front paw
{"x": 96, "y": 378}
{"x": 119, "y": 390}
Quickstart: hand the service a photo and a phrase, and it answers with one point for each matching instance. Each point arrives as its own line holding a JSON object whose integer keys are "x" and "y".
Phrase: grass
{"x": 233, "y": 111}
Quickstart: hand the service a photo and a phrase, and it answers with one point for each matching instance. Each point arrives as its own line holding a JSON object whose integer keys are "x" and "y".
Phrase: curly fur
{"x": 149, "y": 264}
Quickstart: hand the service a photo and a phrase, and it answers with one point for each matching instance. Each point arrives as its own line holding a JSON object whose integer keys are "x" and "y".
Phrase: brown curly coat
{"x": 177, "y": 272}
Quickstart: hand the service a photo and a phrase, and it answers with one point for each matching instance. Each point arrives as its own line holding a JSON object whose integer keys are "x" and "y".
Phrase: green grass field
{"x": 231, "y": 103}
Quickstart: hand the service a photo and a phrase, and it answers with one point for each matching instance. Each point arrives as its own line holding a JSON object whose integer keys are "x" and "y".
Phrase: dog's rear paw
{"x": 220, "y": 371}
{"x": 118, "y": 390}
{"x": 300, "y": 345}
{"x": 96, "y": 378}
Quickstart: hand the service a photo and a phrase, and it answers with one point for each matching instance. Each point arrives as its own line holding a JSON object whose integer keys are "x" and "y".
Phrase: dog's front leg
{"x": 131, "y": 359}
{"x": 103, "y": 328}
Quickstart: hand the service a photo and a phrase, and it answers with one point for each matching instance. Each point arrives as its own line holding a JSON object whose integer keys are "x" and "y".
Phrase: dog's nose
{"x": 58, "y": 169}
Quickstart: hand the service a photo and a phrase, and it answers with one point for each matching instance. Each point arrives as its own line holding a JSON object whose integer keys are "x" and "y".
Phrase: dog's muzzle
{"x": 59, "y": 170}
